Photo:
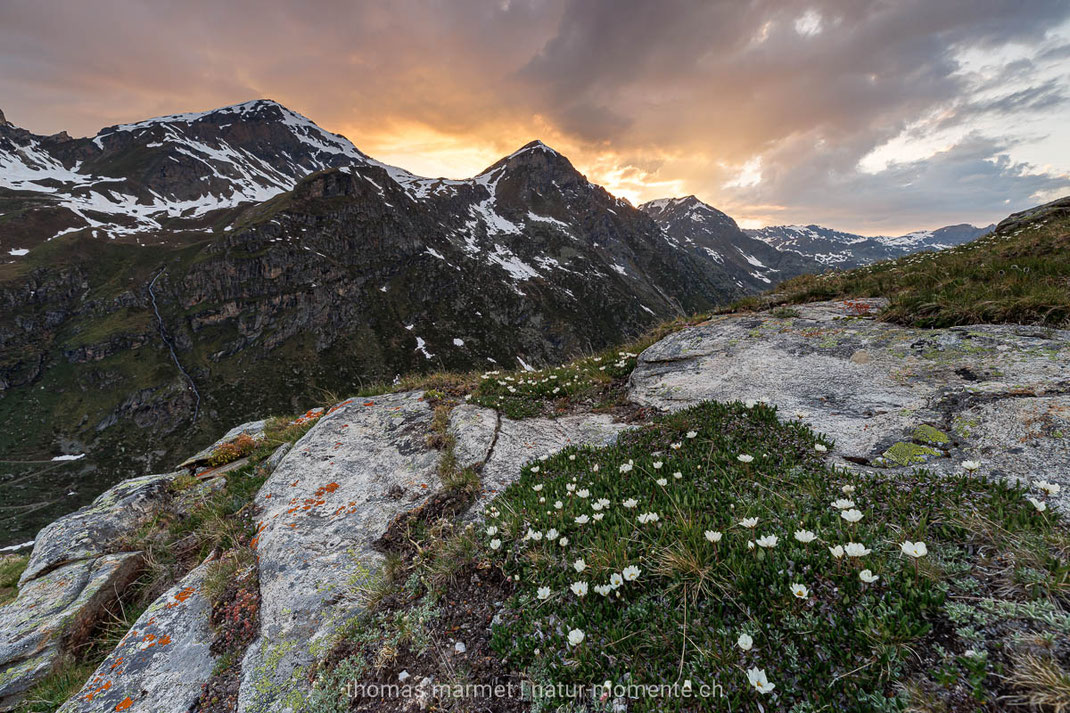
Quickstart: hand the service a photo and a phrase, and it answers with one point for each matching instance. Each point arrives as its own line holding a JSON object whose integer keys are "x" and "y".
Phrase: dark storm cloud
{"x": 648, "y": 96}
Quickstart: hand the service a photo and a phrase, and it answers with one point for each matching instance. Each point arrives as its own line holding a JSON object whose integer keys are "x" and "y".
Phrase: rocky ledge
{"x": 891, "y": 397}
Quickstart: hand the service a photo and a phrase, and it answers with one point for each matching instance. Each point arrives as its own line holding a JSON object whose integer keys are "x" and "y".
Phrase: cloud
{"x": 648, "y": 97}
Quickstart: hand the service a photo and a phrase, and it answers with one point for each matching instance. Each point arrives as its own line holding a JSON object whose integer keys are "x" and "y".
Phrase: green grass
{"x": 11, "y": 568}
{"x": 845, "y": 645}
{"x": 1019, "y": 276}
{"x": 57, "y": 688}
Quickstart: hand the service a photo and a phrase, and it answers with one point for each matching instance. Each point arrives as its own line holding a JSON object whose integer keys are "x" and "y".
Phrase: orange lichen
{"x": 126, "y": 703}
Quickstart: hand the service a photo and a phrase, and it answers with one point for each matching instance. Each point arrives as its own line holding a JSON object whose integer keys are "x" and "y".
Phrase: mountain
{"x": 171, "y": 173}
{"x": 173, "y": 275}
{"x": 833, "y": 248}
{"x": 704, "y": 230}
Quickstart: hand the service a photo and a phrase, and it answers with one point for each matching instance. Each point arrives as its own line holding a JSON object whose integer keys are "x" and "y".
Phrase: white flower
{"x": 971, "y": 465}
{"x": 836, "y": 551}
{"x": 713, "y": 536}
{"x": 596, "y": 506}
{"x": 615, "y": 580}
{"x": 867, "y": 576}
{"x": 570, "y": 487}
{"x": 744, "y": 458}
{"x": 848, "y": 489}
{"x": 603, "y": 589}
{"x": 800, "y": 591}
{"x": 495, "y": 543}
{"x": 579, "y": 589}
{"x": 856, "y": 549}
{"x": 630, "y": 503}
{"x": 914, "y": 549}
{"x": 676, "y": 446}
{"x": 658, "y": 464}
{"x": 851, "y": 515}
{"x": 749, "y": 522}
{"x": 563, "y": 541}
{"x": 750, "y": 403}
{"x": 625, "y": 467}
{"x": 757, "y": 678}
{"x": 820, "y": 448}
{"x": 536, "y": 488}
{"x": 492, "y": 531}
{"x": 584, "y": 493}
{"x": 768, "y": 541}
{"x": 543, "y": 593}
{"x": 582, "y": 520}
{"x": 558, "y": 505}
{"x": 843, "y": 504}
{"x": 691, "y": 434}
{"x": 552, "y": 534}
{"x": 579, "y": 565}
{"x": 1045, "y": 486}
{"x": 662, "y": 482}
{"x": 745, "y": 642}
{"x": 805, "y": 536}
{"x": 604, "y": 502}
{"x": 598, "y": 516}
{"x": 750, "y": 544}
{"x": 646, "y": 517}
{"x": 631, "y": 573}
{"x": 1041, "y": 507}
{"x": 677, "y": 475}
{"x": 575, "y": 637}
{"x": 801, "y": 414}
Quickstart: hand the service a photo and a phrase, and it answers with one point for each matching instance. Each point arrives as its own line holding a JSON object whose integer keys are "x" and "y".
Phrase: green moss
{"x": 932, "y": 436}
{"x": 903, "y": 453}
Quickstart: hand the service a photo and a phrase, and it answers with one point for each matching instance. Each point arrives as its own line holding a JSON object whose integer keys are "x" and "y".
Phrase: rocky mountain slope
{"x": 833, "y": 248}
{"x": 700, "y": 227}
{"x": 175, "y": 275}
{"x": 374, "y": 473}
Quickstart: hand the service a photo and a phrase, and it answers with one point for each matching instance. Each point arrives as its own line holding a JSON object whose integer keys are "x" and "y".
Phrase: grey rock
{"x": 474, "y": 429}
{"x": 253, "y": 428}
{"x": 322, "y": 510}
{"x": 162, "y": 663}
{"x": 53, "y": 612}
{"x": 521, "y": 441}
{"x": 96, "y": 528}
{"x": 272, "y": 461}
{"x": 909, "y": 377}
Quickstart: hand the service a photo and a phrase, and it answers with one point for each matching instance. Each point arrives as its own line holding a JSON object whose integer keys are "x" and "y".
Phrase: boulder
{"x": 96, "y": 528}
{"x": 53, "y": 612}
{"x": 162, "y": 663}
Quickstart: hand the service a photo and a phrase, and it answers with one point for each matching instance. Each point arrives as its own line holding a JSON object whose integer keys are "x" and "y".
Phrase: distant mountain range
{"x": 833, "y": 248}
{"x": 164, "y": 278}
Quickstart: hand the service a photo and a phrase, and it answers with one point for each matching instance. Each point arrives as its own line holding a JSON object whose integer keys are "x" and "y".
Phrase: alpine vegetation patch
{"x": 783, "y": 580}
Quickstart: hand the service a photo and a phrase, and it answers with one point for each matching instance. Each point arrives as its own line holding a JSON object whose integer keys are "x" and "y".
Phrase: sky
{"x": 872, "y": 116}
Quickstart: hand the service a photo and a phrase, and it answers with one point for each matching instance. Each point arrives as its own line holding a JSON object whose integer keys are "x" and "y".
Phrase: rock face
{"x": 162, "y": 662}
{"x": 753, "y": 264}
{"x": 889, "y": 396}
